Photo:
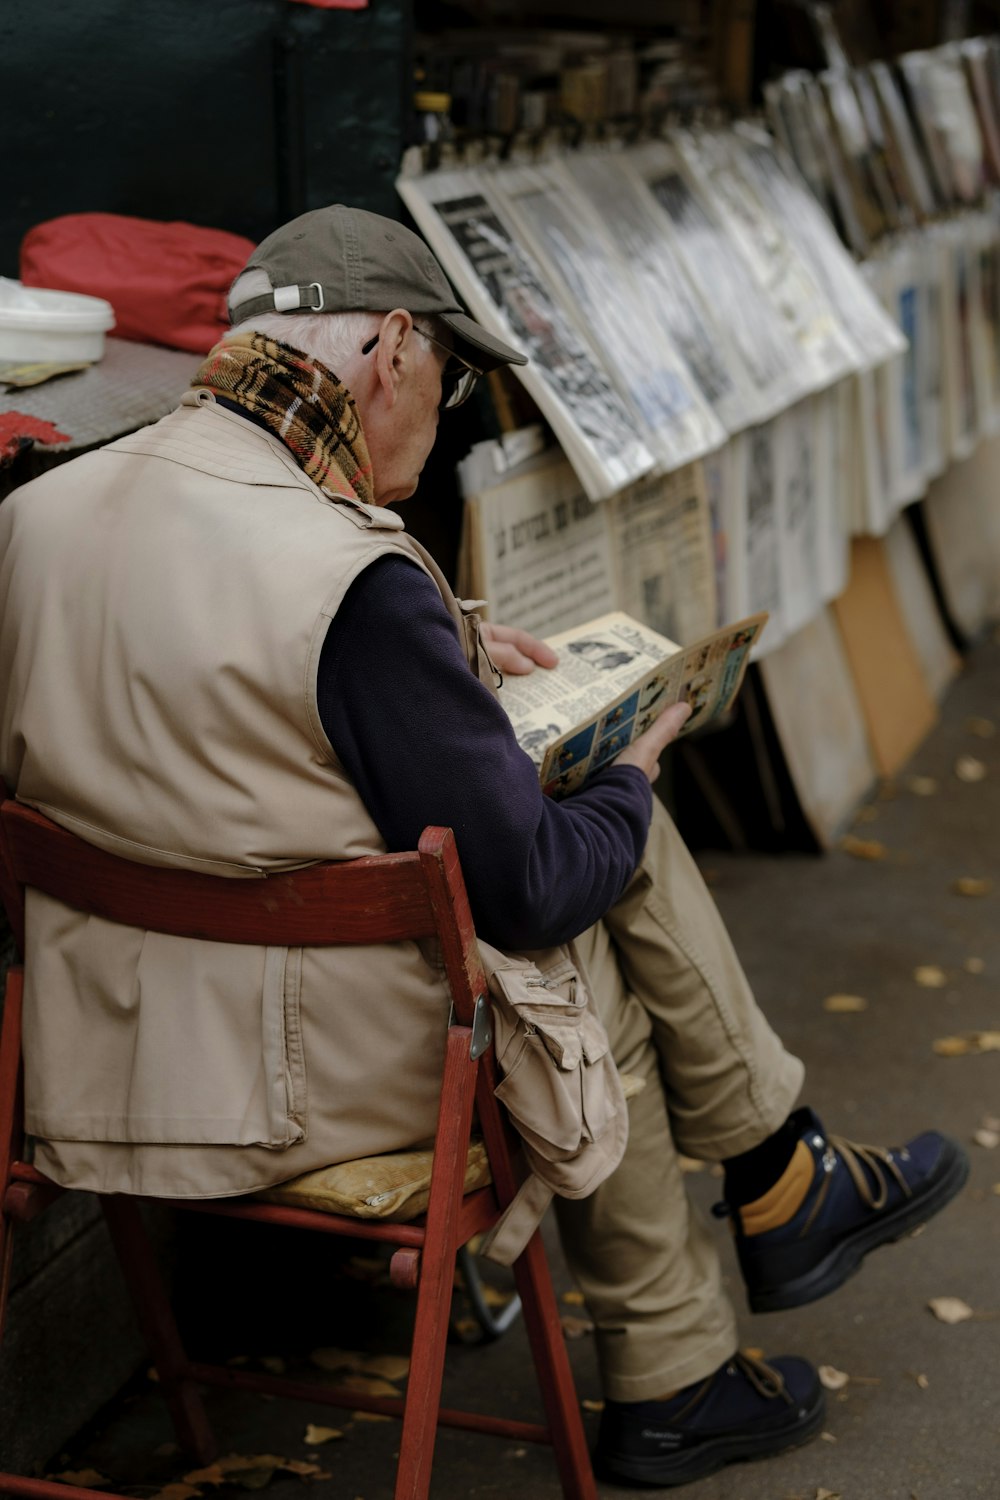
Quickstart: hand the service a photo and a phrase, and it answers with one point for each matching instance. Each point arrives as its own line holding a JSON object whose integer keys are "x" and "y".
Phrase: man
{"x": 222, "y": 652}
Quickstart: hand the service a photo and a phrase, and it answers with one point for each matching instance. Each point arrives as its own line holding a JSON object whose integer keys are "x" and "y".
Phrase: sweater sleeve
{"x": 426, "y": 743}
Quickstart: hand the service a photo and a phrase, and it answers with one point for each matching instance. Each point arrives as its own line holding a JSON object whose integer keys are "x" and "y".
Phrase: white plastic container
{"x": 38, "y": 324}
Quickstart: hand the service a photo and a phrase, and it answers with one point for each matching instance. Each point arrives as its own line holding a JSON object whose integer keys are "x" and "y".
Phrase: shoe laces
{"x": 856, "y": 1157}
{"x": 765, "y": 1379}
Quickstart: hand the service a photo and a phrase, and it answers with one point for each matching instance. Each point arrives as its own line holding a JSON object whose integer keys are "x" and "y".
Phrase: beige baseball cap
{"x": 342, "y": 259}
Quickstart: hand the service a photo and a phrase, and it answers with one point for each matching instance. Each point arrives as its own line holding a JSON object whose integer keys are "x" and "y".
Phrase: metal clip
{"x": 482, "y": 1029}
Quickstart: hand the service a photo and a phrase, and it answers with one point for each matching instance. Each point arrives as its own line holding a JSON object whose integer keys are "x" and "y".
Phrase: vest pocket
{"x": 548, "y": 1042}
{"x": 138, "y": 1037}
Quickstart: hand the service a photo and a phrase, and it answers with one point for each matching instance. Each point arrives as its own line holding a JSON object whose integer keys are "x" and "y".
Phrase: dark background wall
{"x": 231, "y": 113}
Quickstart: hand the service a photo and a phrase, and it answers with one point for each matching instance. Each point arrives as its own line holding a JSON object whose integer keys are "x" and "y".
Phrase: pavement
{"x": 919, "y": 1416}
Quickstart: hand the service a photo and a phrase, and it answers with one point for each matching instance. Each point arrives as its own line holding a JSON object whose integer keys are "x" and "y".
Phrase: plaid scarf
{"x": 301, "y": 402}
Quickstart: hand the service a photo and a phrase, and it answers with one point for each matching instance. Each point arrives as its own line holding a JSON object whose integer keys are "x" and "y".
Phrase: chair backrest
{"x": 381, "y": 898}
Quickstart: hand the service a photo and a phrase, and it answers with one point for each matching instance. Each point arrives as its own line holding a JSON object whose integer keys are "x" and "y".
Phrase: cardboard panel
{"x": 962, "y": 510}
{"x": 938, "y": 658}
{"x": 892, "y": 688}
{"x": 814, "y": 704}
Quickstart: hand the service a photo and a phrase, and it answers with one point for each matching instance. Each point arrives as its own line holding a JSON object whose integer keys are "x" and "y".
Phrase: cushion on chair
{"x": 396, "y": 1186}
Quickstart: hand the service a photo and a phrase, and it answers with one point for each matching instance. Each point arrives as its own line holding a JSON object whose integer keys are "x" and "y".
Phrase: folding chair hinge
{"x": 482, "y": 1028}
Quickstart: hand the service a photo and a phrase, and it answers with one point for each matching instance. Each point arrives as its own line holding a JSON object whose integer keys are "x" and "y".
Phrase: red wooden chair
{"x": 383, "y": 899}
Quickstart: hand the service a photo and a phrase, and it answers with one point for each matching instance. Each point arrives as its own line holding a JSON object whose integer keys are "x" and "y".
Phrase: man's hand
{"x": 515, "y": 651}
{"x": 645, "y": 752}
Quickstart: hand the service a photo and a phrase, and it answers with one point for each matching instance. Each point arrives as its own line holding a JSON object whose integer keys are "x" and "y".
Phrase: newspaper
{"x": 574, "y": 246}
{"x": 505, "y": 288}
{"x": 544, "y": 558}
{"x": 769, "y": 352}
{"x": 827, "y": 350}
{"x": 807, "y": 227}
{"x": 615, "y": 677}
{"x": 673, "y": 300}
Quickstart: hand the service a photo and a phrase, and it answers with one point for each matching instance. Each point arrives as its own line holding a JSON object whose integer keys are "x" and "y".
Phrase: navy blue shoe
{"x": 836, "y": 1202}
{"x": 746, "y": 1409}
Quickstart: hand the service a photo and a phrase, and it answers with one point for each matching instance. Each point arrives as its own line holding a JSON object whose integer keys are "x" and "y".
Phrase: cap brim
{"x": 472, "y": 339}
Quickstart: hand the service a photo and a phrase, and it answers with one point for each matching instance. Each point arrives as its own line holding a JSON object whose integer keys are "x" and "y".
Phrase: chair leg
{"x": 548, "y": 1348}
{"x": 156, "y": 1320}
{"x": 437, "y": 1272}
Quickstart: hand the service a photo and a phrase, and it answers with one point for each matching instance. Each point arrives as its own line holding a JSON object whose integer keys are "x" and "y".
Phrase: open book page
{"x": 615, "y": 676}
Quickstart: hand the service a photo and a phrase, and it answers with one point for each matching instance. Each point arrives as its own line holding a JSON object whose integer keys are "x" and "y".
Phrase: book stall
{"x": 765, "y": 363}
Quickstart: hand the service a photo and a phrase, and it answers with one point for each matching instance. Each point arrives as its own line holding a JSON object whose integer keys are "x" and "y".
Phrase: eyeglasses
{"x": 457, "y": 378}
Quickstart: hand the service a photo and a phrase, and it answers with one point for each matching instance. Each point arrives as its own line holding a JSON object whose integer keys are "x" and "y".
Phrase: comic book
{"x": 615, "y": 677}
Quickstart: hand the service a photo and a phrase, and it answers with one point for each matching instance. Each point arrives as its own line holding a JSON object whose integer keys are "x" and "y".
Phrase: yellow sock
{"x": 783, "y": 1200}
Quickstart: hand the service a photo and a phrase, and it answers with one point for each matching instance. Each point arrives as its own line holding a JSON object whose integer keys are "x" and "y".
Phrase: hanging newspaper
{"x": 762, "y": 529}
{"x": 799, "y": 117}
{"x": 986, "y": 321}
{"x": 833, "y": 468}
{"x": 672, "y": 299}
{"x": 504, "y": 287}
{"x": 570, "y": 243}
{"x": 766, "y": 346}
{"x": 936, "y": 266}
{"x": 544, "y": 558}
{"x": 909, "y": 165}
{"x": 827, "y": 350}
{"x": 901, "y": 282}
{"x": 614, "y": 679}
{"x": 797, "y": 512}
{"x": 961, "y": 306}
{"x": 787, "y": 199}
{"x": 725, "y": 487}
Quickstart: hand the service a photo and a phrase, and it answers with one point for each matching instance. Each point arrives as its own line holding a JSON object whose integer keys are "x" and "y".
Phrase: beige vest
{"x": 163, "y": 604}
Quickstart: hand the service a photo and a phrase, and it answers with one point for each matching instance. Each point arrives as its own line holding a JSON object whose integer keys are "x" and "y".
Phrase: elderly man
{"x": 221, "y": 652}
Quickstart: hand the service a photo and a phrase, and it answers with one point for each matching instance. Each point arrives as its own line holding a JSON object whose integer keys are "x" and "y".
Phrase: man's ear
{"x": 392, "y": 352}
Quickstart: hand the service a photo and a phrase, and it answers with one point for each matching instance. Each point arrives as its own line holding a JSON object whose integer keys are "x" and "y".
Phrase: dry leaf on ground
{"x": 822, "y": 1494}
{"x": 576, "y": 1328}
{"x": 930, "y": 977}
{"x": 370, "y": 1416}
{"x": 996, "y": 1189}
{"x": 572, "y": 1298}
{"x": 870, "y": 849}
{"x": 950, "y": 1309}
{"x": 983, "y": 729}
{"x": 314, "y": 1435}
{"x": 368, "y": 1385}
{"x": 397, "y": 1366}
{"x": 972, "y": 885}
{"x": 273, "y": 1362}
{"x": 832, "y": 1378}
{"x": 689, "y": 1164}
{"x": 828, "y": 1437}
{"x": 989, "y": 1139}
{"x": 842, "y": 1005}
{"x": 233, "y": 1463}
{"x": 85, "y": 1479}
{"x": 970, "y": 1041}
{"x": 973, "y": 965}
{"x": 968, "y": 768}
{"x": 589, "y": 1405}
{"x": 921, "y": 786}
{"x": 922, "y": 1382}
{"x": 178, "y": 1490}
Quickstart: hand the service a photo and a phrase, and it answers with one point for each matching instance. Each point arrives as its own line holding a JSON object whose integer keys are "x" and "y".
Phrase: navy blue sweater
{"x": 426, "y": 743}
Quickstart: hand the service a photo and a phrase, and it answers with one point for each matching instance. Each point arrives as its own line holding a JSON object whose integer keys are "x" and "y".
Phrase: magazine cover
{"x": 615, "y": 677}
{"x": 505, "y": 288}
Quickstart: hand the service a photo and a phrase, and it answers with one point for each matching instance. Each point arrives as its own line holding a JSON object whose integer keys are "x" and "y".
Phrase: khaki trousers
{"x": 680, "y": 1014}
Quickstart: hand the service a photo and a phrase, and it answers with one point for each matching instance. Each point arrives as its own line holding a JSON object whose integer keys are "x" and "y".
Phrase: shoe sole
{"x": 846, "y": 1257}
{"x": 661, "y": 1471}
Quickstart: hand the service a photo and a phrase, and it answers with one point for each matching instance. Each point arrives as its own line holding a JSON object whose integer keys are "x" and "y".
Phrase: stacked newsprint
{"x": 749, "y": 344}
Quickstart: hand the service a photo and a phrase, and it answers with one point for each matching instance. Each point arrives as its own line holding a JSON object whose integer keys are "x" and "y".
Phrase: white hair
{"x": 332, "y": 337}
